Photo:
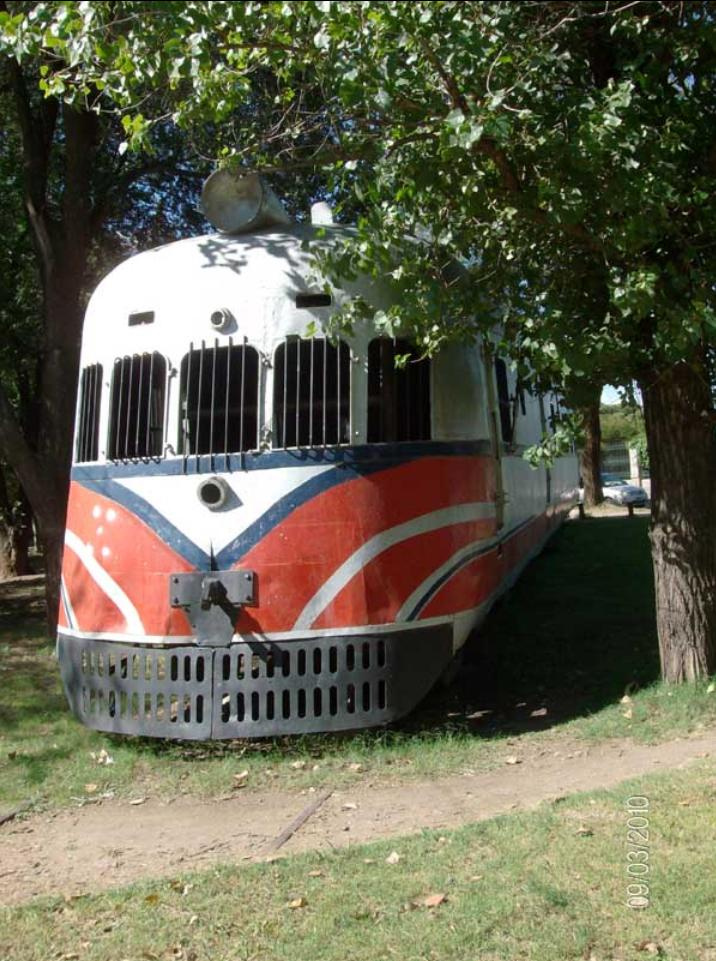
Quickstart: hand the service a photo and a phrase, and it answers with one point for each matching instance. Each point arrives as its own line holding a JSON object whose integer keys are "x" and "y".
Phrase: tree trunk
{"x": 53, "y": 538}
{"x": 14, "y": 549}
{"x": 682, "y": 456}
{"x": 591, "y": 458}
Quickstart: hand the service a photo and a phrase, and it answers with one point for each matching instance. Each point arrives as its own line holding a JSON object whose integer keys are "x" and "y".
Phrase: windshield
{"x": 612, "y": 480}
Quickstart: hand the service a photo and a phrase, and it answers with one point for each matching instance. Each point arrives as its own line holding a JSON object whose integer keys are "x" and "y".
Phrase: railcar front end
{"x": 270, "y": 533}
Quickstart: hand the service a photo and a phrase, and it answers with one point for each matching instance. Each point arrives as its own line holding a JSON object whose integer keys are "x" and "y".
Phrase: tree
{"x": 622, "y": 423}
{"x": 77, "y": 191}
{"x": 591, "y": 457}
{"x": 564, "y": 150}
{"x": 19, "y": 315}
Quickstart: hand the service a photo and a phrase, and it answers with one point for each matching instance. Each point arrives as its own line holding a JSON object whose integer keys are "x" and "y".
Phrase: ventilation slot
{"x": 305, "y": 301}
{"x": 141, "y": 317}
{"x": 246, "y": 690}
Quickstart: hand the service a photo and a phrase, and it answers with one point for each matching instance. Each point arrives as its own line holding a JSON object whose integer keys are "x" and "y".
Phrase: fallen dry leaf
{"x": 430, "y": 901}
{"x": 512, "y": 759}
{"x": 297, "y": 903}
{"x": 393, "y": 858}
{"x": 181, "y": 887}
{"x": 91, "y": 788}
{"x": 650, "y": 946}
{"x": 315, "y": 874}
{"x": 152, "y": 899}
{"x": 350, "y": 806}
{"x": 137, "y": 800}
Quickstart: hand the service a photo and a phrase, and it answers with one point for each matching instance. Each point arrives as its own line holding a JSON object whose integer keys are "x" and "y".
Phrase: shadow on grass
{"x": 576, "y": 631}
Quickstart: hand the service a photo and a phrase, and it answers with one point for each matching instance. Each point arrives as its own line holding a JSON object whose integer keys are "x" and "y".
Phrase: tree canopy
{"x": 563, "y": 152}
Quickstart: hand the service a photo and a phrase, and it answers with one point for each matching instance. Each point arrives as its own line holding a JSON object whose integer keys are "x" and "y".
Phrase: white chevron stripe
{"x": 435, "y": 576}
{"x": 254, "y": 493}
{"x": 103, "y": 580}
{"x": 460, "y": 514}
{"x": 67, "y": 604}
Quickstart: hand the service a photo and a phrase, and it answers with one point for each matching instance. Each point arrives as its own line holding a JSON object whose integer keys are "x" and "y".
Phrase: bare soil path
{"x": 110, "y": 844}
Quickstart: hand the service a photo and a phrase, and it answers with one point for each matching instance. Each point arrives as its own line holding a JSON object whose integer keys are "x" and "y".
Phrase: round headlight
{"x": 213, "y": 493}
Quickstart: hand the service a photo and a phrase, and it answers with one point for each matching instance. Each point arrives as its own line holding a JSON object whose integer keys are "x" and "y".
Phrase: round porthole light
{"x": 221, "y": 319}
{"x": 213, "y": 493}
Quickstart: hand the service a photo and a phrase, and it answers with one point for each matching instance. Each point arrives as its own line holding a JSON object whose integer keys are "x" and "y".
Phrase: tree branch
{"x": 36, "y": 141}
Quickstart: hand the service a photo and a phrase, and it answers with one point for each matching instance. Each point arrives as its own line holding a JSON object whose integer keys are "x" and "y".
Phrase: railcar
{"x": 269, "y": 532}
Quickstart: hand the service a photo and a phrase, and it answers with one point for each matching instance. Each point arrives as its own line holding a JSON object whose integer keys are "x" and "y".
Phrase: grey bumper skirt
{"x": 252, "y": 689}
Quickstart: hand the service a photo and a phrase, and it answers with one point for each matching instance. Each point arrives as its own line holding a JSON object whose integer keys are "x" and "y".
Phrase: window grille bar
{"x": 321, "y": 393}
{"x": 139, "y": 403}
{"x": 398, "y": 398}
{"x": 325, "y": 390}
{"x": 118, "y": 427}
{"x": 150, "y": 391}
{"x": 298, "y": 390}
{"x": 198, "y": 406}
{"x": 82, "y": 439}
{"x": 136, "y": 426}
{"x": 210, "y": 391}
{"x": 226, "y": 403}
{"x": 130, "y": 389}
{"x": 89, "y": 416}
{"x": 88, "y": 391}
{"x": 310, "y": 393}
{"x": 213, "y": 400}
{"x": 93, "y": 420}
{"x": 185, "y": 407}
{"x": 338, "y": 394}
{"x": 285, "y": 391}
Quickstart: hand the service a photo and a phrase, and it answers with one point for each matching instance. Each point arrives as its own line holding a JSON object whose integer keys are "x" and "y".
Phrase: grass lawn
{"x": 554, "y": 659}
{"x": 550, "y": 885}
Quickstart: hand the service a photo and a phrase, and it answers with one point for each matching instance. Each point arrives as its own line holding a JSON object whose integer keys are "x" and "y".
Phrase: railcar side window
{"x": 311, "y": 399}
{"x": 219, "y": 396}
{"x": 88, "y": 414}
{"x": 503, "y": 400}
{"x": 136, "y": 425}
{"x": 398, "y": 397}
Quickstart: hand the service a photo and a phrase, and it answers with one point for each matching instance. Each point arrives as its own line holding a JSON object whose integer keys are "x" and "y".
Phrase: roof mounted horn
{"x": 237, "y": 205}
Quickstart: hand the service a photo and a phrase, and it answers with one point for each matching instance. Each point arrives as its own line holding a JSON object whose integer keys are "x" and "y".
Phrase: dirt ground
{"x": 109, "y": 844}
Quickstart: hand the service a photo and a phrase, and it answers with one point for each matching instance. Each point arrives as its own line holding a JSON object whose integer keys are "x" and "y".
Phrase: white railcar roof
{"x": 255, "y": 276}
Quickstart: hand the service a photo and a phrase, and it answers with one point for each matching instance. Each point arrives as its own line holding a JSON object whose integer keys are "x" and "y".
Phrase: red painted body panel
{"x": 117, "y": 563}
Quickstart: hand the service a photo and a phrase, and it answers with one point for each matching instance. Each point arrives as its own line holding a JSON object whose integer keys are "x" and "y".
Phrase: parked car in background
{"x": 619, "y": 491}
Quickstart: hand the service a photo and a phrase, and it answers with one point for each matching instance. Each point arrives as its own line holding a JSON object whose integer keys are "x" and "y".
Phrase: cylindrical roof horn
{"x": 237, "y": 205}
